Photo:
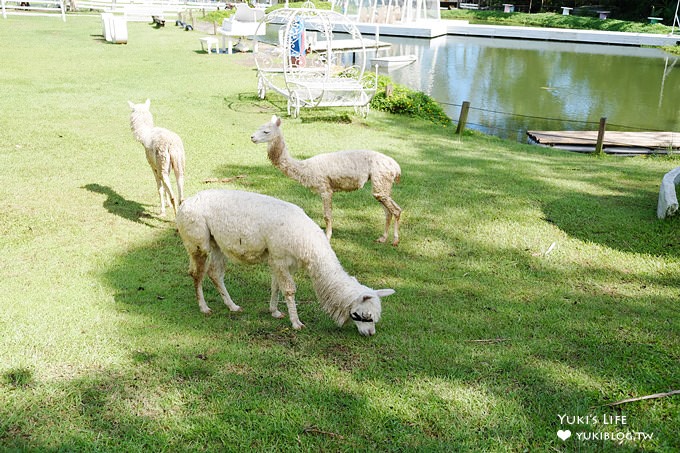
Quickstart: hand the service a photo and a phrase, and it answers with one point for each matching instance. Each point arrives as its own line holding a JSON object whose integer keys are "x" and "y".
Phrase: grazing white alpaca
{"x": 251, "y": 228}
{"x": 341, "y": 171}
{"x": 164, "y": 149}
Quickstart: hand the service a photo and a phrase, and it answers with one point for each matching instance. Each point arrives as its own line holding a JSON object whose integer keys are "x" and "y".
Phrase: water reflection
{"x": 517, "y": 85}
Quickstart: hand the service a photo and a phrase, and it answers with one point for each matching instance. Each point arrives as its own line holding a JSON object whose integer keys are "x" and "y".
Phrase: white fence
{"x": 134, "y": 10}
{"x": 161, "y": 7}
{"x": 33, "y": 8}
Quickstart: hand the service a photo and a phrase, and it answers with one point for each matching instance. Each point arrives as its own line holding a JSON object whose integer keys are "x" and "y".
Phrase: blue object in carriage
{"x": 297, "y": 41}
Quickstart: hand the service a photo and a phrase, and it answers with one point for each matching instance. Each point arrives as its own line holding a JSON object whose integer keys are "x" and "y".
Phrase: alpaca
{"x": 251, "y": 228}
{"x": 164, "y": 149}
{"x": 341, "y": 171}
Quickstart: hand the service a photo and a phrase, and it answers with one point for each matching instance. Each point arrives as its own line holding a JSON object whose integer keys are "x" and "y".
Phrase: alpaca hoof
{"x": 381, "y": 239}
{"x": 206, "y": 311}
{"x": 236, "y": 308}
{"x": 395, "y": 242}
{"x": 298, "y": 325}
{"x": 278, "y": 315}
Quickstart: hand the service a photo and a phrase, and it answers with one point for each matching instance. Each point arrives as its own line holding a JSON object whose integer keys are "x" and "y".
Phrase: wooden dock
{"x": 614, "y": 142}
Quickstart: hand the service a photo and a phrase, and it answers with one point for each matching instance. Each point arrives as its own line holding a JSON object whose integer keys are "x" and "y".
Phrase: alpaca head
{"x": 268, "y": 131}
{"x": 366, "y": 310}
{"x": 140, "y": 107}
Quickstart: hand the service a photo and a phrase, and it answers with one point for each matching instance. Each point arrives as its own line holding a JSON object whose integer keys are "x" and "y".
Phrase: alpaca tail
{"x": 177, "y": 161}
{"x": 178, "y": 164}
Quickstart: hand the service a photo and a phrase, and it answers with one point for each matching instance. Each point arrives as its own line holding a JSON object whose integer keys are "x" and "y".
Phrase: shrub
{"x": 404, "y": 101}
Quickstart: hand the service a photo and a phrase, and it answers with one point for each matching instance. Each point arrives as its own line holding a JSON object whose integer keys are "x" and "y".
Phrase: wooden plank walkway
{"x": 614, "y": 142}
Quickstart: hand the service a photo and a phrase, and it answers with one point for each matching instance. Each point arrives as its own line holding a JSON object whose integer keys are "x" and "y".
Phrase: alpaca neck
{"x": 334, "y": 288}
{"x": 141, "y": 124}
{"x": 278, "y": 155}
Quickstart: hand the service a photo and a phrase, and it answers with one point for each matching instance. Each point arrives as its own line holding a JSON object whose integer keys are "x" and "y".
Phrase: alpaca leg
{"x": 327, "y": 199}
{"x": 198, "y": 261}
{"x": 392, "y": 209}
{"x": 287, "y": 286}
{"x": 274, "y": 301}
{"x": 388, "y": 220}
{"x": 161, "y": 190}
{"x": 397, "y": 218}
{"x": 180, "y": 188}
{"x": 396, "y": 212}
{"x": 168, "y": 189}
{"x": 216, "y": 274}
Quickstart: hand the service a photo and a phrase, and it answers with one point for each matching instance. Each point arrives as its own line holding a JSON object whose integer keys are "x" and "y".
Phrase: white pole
{"x": 675, "y": 19}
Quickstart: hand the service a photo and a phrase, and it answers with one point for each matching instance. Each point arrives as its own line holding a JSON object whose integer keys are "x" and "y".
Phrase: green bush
{"x": 404, "y": 101}
{"x": 554, "y": 20}
{"x": 219, "y": 15}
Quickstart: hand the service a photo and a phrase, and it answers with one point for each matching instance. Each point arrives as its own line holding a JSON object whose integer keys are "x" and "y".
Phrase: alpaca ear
{"x": 274, "y": 118}
{"x": 131, "y": 104}
{"x": 148, "y": 103}
{"x": 384, "y": 292}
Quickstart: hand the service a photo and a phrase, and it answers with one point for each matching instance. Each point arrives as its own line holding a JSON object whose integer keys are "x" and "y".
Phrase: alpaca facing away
{"x": 250, "y": 228}
{"x": 341, "y": 171}
{"x": 164, "y": 149}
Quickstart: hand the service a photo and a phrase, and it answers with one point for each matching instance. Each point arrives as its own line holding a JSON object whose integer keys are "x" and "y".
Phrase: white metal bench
{"x": 336, "y": 91}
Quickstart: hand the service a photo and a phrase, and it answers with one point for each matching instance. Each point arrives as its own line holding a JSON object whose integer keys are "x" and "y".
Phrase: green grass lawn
{"x": 557, "y": 256}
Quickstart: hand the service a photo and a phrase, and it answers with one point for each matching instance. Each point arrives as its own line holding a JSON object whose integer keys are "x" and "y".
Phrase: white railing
{"x": 33, "y": 8}
{"x": 166, "y": 7}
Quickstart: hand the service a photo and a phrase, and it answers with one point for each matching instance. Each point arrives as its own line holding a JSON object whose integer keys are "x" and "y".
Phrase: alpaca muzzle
{"x": 364, "y": 324}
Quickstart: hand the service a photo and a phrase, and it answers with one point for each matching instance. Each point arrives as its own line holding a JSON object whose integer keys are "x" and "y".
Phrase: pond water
{"x": 514, "y": 86}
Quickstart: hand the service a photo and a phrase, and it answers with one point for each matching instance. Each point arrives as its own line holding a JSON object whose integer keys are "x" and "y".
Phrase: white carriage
{"x": 315, "y": 58}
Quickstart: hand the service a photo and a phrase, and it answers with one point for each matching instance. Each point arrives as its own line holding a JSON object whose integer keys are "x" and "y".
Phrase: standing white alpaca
{"x": 164, "y": 149}
{"x": 251, "y": 228}
{"x": 341, "y": 171}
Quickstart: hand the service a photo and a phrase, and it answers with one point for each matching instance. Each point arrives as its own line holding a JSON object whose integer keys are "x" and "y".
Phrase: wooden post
{"x": 600, "y": 135}
{"x": 463, "y": 117}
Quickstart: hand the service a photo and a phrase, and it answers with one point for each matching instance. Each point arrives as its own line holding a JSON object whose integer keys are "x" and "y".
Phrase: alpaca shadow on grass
{"x": 115, "y": 204}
